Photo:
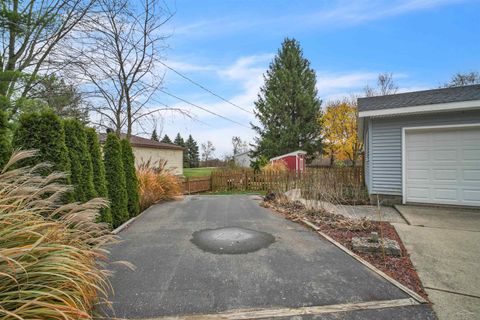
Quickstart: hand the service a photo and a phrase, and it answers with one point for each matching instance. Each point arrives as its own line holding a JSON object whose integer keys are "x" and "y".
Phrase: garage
{"x": 442, "y": 165}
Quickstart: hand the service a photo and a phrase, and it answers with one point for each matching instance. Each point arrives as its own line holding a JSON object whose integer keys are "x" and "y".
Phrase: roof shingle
{"x": 137, "y": 141}
{"x": 418, "y": 98}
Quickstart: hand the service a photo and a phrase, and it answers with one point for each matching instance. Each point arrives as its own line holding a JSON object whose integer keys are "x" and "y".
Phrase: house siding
{"x": 174, "y": 158}
{"x": 385, "y": 148}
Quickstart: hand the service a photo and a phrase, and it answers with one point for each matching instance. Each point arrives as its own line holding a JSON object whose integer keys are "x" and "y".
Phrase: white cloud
{"x": 335, "y": 14}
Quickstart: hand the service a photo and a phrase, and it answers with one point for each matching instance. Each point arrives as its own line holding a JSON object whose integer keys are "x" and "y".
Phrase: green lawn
{"x": 198, "y": 172}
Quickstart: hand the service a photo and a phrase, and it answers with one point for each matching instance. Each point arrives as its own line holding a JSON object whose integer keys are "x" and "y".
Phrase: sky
{"x": 227, "y": 45}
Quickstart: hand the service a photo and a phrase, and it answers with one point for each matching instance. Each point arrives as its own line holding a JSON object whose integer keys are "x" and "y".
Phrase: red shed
{"x": 294, "y": 161}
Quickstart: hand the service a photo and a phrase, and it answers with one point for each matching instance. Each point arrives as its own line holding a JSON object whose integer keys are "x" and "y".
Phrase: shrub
{"x": 51, "y": 268}
{"x": 116, "y": 185}
{"x": 130, "y": 177}
{"x": 5, "y": 147}
{"x": 275, "y": 167}
{"x": 98, "y": 168}
{"x": 156, "y": 184}
{"x": 80, "y": 162}
{"x": 44, "y": 132}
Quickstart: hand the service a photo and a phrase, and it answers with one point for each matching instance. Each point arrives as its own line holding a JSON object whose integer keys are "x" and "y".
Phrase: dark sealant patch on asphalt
{"x": 231, "y": 240}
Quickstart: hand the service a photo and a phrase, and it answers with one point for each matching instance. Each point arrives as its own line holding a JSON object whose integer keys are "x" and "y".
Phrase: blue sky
{"x": 226, "y": 45}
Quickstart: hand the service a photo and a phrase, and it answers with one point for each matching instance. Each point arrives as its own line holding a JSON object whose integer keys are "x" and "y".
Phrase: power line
{"x": 206, "y": 89}
{"x": 202, "y": 108}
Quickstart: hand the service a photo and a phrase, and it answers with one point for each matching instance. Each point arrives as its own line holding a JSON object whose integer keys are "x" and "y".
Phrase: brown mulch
{"x": 399, "y": 268}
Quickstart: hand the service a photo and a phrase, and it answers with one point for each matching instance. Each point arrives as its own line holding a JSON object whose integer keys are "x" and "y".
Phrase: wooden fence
{"x": 341, "y": 184}
{"x": 195, "y": 185}
{"x": 247, "y": 180}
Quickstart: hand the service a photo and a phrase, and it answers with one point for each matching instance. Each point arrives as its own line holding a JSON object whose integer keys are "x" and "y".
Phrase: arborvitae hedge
{"x": 131, "y": 178}
{"x": 80, "y": 162}
{"x": 115, "y": 176}
{"x": 99, "y": 182}
{"x": 5, "y": 147}
{"x": 44, "y": 132}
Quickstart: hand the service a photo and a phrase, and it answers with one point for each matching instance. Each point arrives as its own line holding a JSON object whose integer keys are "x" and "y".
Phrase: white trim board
{"x": 404, "y": 129}
{"x": 451, "y": 106}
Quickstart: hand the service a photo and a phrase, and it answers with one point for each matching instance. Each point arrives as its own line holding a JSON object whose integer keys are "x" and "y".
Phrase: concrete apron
{"x": 215, "y": 241}
{"x": 444, "y": 244}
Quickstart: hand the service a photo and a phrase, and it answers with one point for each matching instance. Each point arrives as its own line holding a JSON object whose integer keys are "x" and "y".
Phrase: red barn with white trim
{"x": 295, "y": 161}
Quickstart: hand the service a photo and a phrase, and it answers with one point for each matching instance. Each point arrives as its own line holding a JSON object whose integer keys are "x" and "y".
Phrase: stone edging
{"x": 367, "y": 264}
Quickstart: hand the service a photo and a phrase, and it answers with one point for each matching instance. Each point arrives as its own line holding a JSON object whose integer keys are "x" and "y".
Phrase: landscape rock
{"x": 373, "y": 244}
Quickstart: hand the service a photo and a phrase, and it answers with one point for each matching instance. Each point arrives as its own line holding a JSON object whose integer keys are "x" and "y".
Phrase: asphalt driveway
{"x": 299, "y": 269}
{"x": 444, "y": 246}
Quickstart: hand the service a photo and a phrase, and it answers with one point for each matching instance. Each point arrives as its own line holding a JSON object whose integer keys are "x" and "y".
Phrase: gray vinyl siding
{"x": 385, "y": 147}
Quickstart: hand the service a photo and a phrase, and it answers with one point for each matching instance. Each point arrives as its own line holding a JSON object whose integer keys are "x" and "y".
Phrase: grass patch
{"x": 198, "y": 172}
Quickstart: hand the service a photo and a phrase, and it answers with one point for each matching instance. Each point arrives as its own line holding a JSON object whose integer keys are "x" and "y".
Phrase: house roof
{"x": 137, "y": 141}
{"x": 294, "y": 153}
{"x": 420, "y": 98}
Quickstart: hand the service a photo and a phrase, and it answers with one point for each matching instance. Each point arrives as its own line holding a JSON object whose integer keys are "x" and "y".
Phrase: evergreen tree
{"x": 193, "y": 154}
{"x": 98, "y": 172}
{"x": 288, "y": 108}
{"x": 116, "y": 184}
{"x": 44, "y": 132}
{"x": 166, "y": 139}
{"x": 180, "y": 142}
{"x": 5, "y": 147}
{"x": 130, "y": 178}
{"x": 155, "y": 135}
{"x": 81, "y": 172}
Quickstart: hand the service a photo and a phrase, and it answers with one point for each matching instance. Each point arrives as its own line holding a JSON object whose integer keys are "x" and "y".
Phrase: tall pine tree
{"x": 193, "y": 155}
{"x": 180, "y": 142}
{"x": 288, "y": 107}
{"x": 154, "y": 136}
{"x": 166, "y": 139}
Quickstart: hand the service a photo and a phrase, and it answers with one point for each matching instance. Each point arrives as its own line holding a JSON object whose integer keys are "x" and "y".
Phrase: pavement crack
{"x": 454, "y": 292}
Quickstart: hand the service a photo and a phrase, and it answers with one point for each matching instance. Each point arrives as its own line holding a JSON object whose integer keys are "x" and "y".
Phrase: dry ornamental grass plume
{"x": 275, "y": 167}
{"x": 52, "y": 261}
{"x": 156, "y": 184}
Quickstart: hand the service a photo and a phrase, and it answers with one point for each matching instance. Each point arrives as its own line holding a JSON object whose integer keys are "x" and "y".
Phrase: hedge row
{"x": 71, "y": 147}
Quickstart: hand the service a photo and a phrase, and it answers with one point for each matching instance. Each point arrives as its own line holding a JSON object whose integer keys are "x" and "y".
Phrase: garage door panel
{"x": 445, "y": 175}
{"x": 471, "y": 154}
{"x": 471, "y": 196}
{"x": 443, "y": 166}
{"x": 445, "y": 194}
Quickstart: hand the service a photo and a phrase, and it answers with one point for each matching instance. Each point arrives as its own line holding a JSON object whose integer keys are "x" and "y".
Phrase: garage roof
{"x": 137, "y": 141}
{"x": 420, "y": 98}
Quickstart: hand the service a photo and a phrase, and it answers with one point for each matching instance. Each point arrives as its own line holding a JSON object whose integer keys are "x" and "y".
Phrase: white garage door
{"x": 443, "y": 166}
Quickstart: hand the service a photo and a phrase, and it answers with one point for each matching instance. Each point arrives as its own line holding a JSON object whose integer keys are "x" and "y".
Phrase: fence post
{"x": 188, "y": 184}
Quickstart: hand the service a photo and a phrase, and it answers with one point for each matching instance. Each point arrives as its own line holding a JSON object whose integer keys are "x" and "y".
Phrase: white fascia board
{"x": 451, "y": 106}
{"x": 295, "y": 153}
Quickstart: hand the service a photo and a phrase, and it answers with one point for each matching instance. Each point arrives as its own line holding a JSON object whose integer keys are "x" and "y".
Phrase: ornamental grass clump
{"x": 156, "y": 184}
{"x": 52, "y": 261}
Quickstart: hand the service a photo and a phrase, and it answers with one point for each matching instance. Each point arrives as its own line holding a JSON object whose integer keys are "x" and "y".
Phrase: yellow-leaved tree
{"x": 339, "y": 131}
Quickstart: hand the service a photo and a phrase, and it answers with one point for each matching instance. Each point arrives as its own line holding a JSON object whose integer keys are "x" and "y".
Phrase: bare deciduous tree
{"x": 385, "y": 86}
{"x": 207, "y": 150}
{"x": 117, "y": 56}
{"x": 239, "y": 145}
{"x": 463, "y": 79}
{"x": 31, "y": 31}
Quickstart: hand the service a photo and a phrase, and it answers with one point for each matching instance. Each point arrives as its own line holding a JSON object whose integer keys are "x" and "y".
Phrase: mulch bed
{"x": 399, "y": 268}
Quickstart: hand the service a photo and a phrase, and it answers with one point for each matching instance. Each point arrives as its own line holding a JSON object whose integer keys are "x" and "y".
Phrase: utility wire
{"x": 206, "y": 89}
{"x": 202, "y": 108}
